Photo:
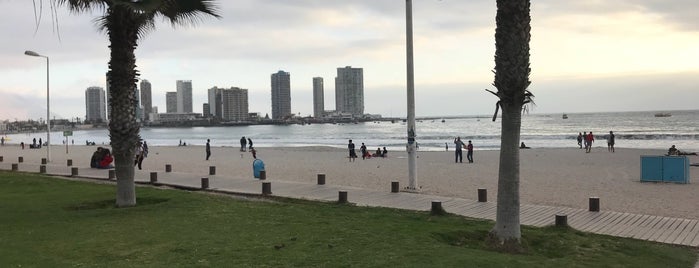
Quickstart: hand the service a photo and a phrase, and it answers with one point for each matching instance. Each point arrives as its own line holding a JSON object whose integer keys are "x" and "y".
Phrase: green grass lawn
{"x": 49, "y": 222}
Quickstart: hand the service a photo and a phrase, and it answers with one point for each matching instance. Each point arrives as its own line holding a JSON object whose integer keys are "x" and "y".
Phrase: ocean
{"x": 632, "y": 130}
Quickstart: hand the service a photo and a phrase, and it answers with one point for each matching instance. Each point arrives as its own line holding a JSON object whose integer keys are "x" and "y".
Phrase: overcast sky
{"x": 586, "y": 56}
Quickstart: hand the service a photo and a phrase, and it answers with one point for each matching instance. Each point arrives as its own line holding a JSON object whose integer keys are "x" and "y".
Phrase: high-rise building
{"x": 109, "y": 97}
{"x": 184, "y": 96}
{"x": 215, "y": 102}
{"x": 95, "y": 105}
{"x": 234, "y": 104}
{"x": 137, "y": 104}
{"x": 171, "y": 102}
{"x": 349, "y": 91}
{"x": 318, "y": 97}
{"x": 146, "y": 99}
{"x": 206, "y": 111}
{"x": 281, "y": 95}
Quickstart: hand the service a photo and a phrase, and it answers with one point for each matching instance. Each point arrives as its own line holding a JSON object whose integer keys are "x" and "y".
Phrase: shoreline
{"x": 564, "y": 177}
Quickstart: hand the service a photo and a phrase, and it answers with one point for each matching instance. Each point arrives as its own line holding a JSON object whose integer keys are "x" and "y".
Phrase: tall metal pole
{"x": 48, "y": 116}
{"x": 48, "y": 109}
{"x": 411, "y": 147}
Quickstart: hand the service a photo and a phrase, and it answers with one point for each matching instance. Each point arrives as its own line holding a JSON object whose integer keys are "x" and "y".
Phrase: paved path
{"x": 646, "y": 227}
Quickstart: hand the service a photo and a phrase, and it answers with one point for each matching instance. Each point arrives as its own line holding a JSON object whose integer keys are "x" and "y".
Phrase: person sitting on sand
{"x": 674, "y": 151}
{"x": 384, "y": 153}
{"x": 106, "y": 161}
{"x": 377, "y": 153}
{"x": 522, "y": 146}
{"x": 96, "y": 157}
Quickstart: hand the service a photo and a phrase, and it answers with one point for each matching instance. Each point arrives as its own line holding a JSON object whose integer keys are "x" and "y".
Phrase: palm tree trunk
{"x": 512, "y": 37}
{"x": 123, "y": 128}
{"x": 507, "y": 225}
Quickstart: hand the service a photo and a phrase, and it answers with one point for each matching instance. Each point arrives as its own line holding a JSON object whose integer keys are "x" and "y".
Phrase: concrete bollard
{"x": 1, "y": 159}
{"x": 342, "y": 197}
{"x": 205, "y": 183}
{"x": 20, "y": 159}
{"x": 43, "y": 161}
{"x": 395, "y": 187}
{"x": 263, "y": 175}
{"x": 561, "y": 220}
{"x": 212, "y": 170}
{"x": 153, "y": 177}
{"x": 168, "y": 168}
{"x": 437, "y": 208}
{"x": 111, "y": 174}
{"x": 321, "y": 179}
{"x": 15, "y": 166}
{"x": 266, "y": 188}
{"x": 69, "y": 162}
{"x": 482, "y": 195}
{"x": 42, "y": 169}
{"x": 73, "y": 172}
{"x": 594, "y": 204}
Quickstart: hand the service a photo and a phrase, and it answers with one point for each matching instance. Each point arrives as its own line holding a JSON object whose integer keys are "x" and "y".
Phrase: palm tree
{"x": 512, "y": 35}
{"x": 125, "y": 21}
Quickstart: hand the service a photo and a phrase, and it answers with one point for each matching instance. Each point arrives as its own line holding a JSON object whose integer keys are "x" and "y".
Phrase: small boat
{"x": 663, "y": 115}
{"x": 565, "y": 116}
{"x": 443, "y": 121}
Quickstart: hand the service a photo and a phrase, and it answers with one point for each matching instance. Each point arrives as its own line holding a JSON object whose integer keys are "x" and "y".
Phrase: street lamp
{"x": 411, "y": 147}
{"x": 48, "y": 116}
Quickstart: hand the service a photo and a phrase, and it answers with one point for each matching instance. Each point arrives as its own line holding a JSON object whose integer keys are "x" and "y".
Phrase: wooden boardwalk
{"x": 646, "y": 227}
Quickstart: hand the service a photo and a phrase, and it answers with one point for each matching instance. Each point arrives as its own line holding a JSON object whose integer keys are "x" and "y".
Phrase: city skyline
{"x": 586, "y": 56}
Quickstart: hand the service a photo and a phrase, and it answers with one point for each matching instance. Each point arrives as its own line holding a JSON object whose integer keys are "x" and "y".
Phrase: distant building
{"x": 184, "y": 96}
{"x": 139, "y": 110}
{"x": 230, "y": 104}
{"x": 234, "y": 104}
{"x": 281, "y": 95}
{"x": 349, "y": 91}
{"x": 146, "y": 99}
{"x": 171, "y": 102}
{"x": 214, "y": 95}
{"x": 109, "y": 97}
{"x": 318, "y": 97}
{"x": 205, "y": 110}
{"x": 95, "y": 105}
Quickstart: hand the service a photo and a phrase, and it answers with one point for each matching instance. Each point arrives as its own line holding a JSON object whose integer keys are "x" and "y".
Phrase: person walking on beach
{"x": 589, "y": 139}
{"x": 139, "y": 155}
{"x": 243, "y": 142}
{"x": 446, "y": 146}
{"x": 584, "y": 137}
{"x": 610, "y": 142}
{"x": 145, "y": 149}
{"x": 458, "y": 154}
{"x": 580, "y": 139}
{"x": 352, "y": 154}
{"x": 249, "y": 144}
{"x": 469, "y": 153}
{"x": 208, "y": 149}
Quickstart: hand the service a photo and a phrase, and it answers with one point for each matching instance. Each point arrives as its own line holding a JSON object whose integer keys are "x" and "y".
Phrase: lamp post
{"x": 411, "y": 147}
{"x": 48, "y": 111}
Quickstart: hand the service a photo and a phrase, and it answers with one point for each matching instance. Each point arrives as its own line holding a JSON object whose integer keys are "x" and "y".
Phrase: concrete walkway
{"x": 646, "y": 227}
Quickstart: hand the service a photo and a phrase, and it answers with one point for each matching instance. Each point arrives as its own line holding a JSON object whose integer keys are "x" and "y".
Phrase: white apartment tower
{"x": 234, "y": 104}
{"x": 318, "y": 97}
{"x": 349, "y": 91}
{"x": 215, "y": 102}
{"x": 95, "y": 105}
{"x": 281, "y": 95}
{"x": 146, "y": 99}
{"x": 184, "y": 96}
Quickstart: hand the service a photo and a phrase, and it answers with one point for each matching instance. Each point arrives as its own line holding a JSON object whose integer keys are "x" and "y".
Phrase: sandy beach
{"x": 558, "y": 177}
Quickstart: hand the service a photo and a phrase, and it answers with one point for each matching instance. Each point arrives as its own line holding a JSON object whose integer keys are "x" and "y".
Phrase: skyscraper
{"x": 234, "y": 104}
{"x": 171, "y": 102}
{"x": 349, "y": 91}
{"x": 318, "y": 97}
{"x": 281, "y": 95}
{"x": 95, "y": 105}
{"x": 109, "y": 98}
{"x": 146, "y": 99}
{"x": 215, "y": 102}
{"x": 184, "y": 96}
